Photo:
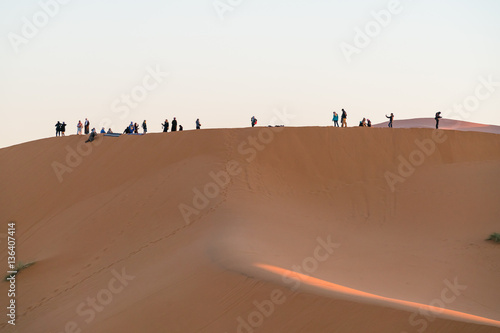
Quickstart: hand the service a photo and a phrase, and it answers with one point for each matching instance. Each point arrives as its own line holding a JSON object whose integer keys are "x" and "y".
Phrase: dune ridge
{"x": 445, "y": 124}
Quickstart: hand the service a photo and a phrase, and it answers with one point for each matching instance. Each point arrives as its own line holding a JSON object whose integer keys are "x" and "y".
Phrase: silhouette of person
{"x": 369, "y": 123}
{"x": 198, "y": 125}
{"x": 437, "y": 117}
{"x": 144, "y": 127}
{"x": 63, "y": 128}
{"x": 391, "y": 118}
{"x": 174, "y": 125}
{"x": 180, "y": 128}
{"x": 344, "y": 118}
{"x": 165, "y": 126}
{"x": 58, "y": 129}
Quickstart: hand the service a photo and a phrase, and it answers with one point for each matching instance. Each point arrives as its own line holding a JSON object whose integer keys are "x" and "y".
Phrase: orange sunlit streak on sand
{"x": 348, "y": 293}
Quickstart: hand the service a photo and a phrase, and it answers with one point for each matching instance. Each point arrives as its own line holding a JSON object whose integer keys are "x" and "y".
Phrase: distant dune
{"x": 257, "y": 230}
{"x": 447, "y": 124}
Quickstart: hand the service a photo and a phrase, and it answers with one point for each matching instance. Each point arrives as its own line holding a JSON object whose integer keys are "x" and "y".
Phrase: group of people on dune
{"x": 166, "y": 125}
{"x": 80, "y": 126}
{"x": 133, "y": 128}
{"x": 367, "y": 122}
{"x": 60, "y": 128}
{"x": 343, "y": 120}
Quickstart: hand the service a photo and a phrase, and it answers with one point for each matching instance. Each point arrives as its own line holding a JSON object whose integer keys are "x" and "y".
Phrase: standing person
{"x": 198, "y": 125}
{"x": 174, "y": 125}
{"x": 136, "y": 128}
{"x": 391, "y": 118}
{"x": 254, "y": 121}
{"x": 87, "y": 126}
{"x": 180, "y": 128}
{"x": 79, "y": 127}
{"x": 335, "y": 119}
{"x": 58, "y": 129}
{"x": 344, "y": 118}
{"x": 144, "y": 126}
{"x": 437, "y": 117}
{"x": 369, "y": 123}
{"x": 165, "y": 126}
{"x": 63, "y": 128}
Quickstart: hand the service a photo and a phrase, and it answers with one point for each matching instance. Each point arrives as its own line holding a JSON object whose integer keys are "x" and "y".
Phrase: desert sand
{"x": 447, "y": 124}
{"x": 256, "y": 230}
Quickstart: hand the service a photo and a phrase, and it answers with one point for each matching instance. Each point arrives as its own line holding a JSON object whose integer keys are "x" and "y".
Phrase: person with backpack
{"x": 63, "y": 128}
{"x": 437, "y": 117}
{"x": 144, "y": 127}
{"x": 165, "y": 126}
{"x": 198, "y": 125}
{"x": 344, "y": 118}
{"x": 174, "y": 125}
{"x": 335, "y": 119}
{"x": 254, "y": 121}
{"x": 391, "y": 118}
{"x": 58, "y": 129}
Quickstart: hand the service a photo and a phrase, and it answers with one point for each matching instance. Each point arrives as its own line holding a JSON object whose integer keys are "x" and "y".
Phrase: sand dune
{"x": 446, "y": 124}
{"x": 256, "y": 230}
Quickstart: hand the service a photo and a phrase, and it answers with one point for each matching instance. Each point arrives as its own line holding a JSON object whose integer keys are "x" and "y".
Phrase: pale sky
{"x": 228, "y": 60}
